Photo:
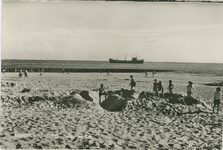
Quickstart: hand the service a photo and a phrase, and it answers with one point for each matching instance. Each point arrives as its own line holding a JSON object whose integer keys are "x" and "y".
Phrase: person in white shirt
{"x": 217, "y": 98}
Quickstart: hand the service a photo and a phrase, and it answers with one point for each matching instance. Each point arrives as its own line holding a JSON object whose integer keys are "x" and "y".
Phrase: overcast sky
{"x": 176, "y": 32}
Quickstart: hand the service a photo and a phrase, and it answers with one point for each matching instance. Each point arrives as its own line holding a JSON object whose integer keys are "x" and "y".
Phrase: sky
{"x": 84, "y": 30}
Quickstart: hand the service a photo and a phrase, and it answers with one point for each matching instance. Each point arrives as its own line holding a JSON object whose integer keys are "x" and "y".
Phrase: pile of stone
{"x": 119, "y": 100}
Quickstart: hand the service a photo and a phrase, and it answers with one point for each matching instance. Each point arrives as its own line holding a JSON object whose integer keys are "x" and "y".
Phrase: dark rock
{"x": 2, "y": 135}
{"x": 18, "y": 146}
{"x": 176, "y": 100}
{"x": 18, "y": 100}
{"x": 85, "y": 95}
{"x": 113, "y": 103}
{"x": 142, "y": 95}
{"x": 218, "y": 146}
{"x": 36, "y": 98}
{"x": 68, "y": 147}
{"x": 25, "y": 90}
{"x": 38, "y": 146}
{"x": 167, "y": 95}
{"x": 12, "y": 84}
{"x": 127, "y": 93}
{"x": 191, "y": 101}
{"x": 102, "y": 145}
{"x": 71, "y": 101}
{"x": 108, "y": 101}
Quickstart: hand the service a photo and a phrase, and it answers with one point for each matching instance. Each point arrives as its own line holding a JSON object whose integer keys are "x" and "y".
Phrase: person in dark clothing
{"x": 26, "y": 73}
{"x": 217, "y": 98}
{"x": 160, "y": 88}
{"x": 20, "y": 73}
{"x": 132, "y": 82}
{"x": 101, "y": 91}
{"x": 155, "y": 87}
{"x": 170, "y": 87}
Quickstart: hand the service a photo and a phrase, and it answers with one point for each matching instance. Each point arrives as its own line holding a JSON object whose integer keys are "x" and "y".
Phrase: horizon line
{"x": 108, "y": 61}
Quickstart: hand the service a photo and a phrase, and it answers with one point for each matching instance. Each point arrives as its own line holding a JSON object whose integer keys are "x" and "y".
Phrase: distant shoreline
{"x": 14, "y": 65}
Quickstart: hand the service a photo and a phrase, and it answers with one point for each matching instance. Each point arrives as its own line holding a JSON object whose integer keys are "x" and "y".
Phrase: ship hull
{"x": 127, "y": 61}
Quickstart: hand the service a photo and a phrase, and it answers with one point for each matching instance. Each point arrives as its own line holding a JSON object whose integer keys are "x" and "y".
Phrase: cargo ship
{"x": 134, "y": 60}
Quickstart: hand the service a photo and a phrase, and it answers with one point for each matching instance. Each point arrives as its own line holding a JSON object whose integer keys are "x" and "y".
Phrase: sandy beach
{"x": 43, "y": 124}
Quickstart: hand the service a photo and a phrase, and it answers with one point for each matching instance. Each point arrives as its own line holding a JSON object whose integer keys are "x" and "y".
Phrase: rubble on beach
{"x": 123, "y": 119}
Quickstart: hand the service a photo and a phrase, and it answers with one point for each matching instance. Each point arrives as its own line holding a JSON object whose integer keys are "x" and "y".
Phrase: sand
{"x": 43, "y": 124}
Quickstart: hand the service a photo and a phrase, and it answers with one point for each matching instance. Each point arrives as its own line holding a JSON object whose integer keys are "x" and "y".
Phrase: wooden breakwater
{"x": 69, "y": 70}
{"x": 75, "y": 66}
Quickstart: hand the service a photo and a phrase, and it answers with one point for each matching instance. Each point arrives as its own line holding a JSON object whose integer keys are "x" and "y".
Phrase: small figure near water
{"x": 26, "y": 74}
{"x": 132, "y": 82}
{"x": 170, "y": 87}
{"x": 153, "y": 73}
{"x": 20, "y": 73}
{"x": 146, "y": 73}
{"x": 189, "y": 89}
{"x": 63, "y": 70}
{"x": 155, "y": 87}
{"x": 160, "y": 88}
{"x": 217, "y": 99}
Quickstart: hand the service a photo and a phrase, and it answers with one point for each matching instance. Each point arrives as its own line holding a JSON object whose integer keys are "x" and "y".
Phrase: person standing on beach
{"x": 26, "y": 73}
{"x": 20, "y": 73}
{"x": 155, "y": 87}
{"x": 153, "y": 73}
{"x": 101, "y": 92}
{"x": 189, "y": 89}
{"x": 132, "y": 82}
{"x": 217, "y": 99}
{"x": 170, "y": 86}
{"x": 160, "y": 88}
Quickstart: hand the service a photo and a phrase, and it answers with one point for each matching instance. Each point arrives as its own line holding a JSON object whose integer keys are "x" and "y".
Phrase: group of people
{"x": 21, "y": 73}
{"x": 157, "y": 86}
{"x": 158, "y": 90}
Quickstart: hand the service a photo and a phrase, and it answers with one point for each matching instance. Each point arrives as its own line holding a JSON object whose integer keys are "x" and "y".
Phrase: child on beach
{"x": 155, "y": 87}
{"x": 217, "y": 98}
{"x": 101, "y": 91}
{"x": 132, "y": 82}
{"x": 20, "y": 73}
{"x": 170, "y": 87}
{"x": 160, "y": 88}
{"x": 189, "y": 89}
{"x": 26, "y": 73}
{"x": 153, "y": 73}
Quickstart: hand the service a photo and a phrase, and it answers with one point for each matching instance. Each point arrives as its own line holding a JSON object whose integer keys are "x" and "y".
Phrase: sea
{"x": 180, "y": 67}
